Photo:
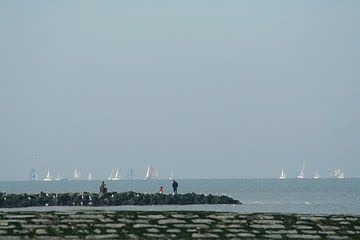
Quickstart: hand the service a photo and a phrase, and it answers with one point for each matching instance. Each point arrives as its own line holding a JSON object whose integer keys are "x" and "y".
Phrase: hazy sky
{"x": 203, "y": 89}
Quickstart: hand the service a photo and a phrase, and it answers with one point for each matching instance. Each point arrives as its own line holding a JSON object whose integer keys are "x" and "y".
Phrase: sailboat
{"x": 60, "y": 178}
{"x": 339, "y": 173}
{"x": 33, "y": 175}
{"x": 114, "y": 175}
{"x": 130, "y": 174}
{"x": 89, "y": 177}
{"x": 151, "y": 173}
{"x": 317, "y": 175}
{"x": 48, "y": 176}
{"x": 282, "y": 175}
{"x": 171, "y": 176}
{"x": 76, "y": 174}
{"x": 301, "y": 175}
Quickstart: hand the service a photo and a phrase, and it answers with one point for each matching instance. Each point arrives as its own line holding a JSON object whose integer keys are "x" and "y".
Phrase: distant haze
{"x": 203, "y": 89}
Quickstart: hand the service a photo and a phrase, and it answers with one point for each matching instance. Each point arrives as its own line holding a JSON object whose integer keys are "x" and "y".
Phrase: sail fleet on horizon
{"x": 337, "y": 173}
{"x": 151, "y": 173}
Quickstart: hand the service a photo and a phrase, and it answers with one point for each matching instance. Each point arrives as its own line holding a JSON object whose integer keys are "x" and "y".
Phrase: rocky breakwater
{"x": 108, "y": 199}
{"x": 107, "y": 224}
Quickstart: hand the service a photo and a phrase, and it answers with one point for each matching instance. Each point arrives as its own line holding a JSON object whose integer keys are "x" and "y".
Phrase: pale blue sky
{"x": 200, "y": 88}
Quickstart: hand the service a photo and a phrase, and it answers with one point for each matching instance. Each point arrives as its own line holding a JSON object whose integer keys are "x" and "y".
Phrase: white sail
{"x": 317, "y": 175}
{"x": 130, "y": 174}
{"x": 301, "y": 175}
{"x": 76, "y": 174}
{"x": 338, "y": 173}
{"x": 117, "y": 175}
{"x": 89, "y": 177}
{"x": 341, "y": 174}
{"x": 48, "y": 176}
{"x": 114, "y": 175}
{"x": 148, "y": 172}
{"x": 282, "y": 175}
{"x": 151, "y": 173}
{"x": 33, "y": 175}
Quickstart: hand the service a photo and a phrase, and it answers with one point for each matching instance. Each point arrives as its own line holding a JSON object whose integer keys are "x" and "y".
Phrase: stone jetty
{"x": 109, "y": 199}
{"x": 109, "y": 224}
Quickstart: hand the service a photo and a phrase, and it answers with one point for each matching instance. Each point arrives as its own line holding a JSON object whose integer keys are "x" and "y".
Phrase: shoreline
{"x": 112, "y": 224}
{"x": 225, "y": 208}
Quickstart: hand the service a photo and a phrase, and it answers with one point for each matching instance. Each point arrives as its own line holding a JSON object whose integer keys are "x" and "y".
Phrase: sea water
{"x": 327, "y": 196}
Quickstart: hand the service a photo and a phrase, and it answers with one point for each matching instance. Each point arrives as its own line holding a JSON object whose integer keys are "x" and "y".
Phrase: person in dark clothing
{"x": 175, "y": 186}
{"x": 103, "y": 188}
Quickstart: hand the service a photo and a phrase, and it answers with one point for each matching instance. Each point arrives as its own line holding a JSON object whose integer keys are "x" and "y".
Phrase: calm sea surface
{"x": 257, "y": 195}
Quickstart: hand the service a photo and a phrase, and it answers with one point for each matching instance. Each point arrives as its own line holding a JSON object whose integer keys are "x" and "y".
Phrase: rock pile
{"x": 108, "y": 199}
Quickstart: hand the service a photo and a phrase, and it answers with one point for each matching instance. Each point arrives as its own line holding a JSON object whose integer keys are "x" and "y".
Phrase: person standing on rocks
{"x": 103, "y": 188}
{"x": 161, "y": 190}
{"x": 175, "y": 186}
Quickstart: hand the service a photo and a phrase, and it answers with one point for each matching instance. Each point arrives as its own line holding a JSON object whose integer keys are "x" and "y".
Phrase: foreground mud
{"x": 103, "y": 224}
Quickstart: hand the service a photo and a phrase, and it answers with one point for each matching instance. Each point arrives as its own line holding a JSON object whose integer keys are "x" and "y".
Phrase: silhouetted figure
{"x": 103, "y": 188}
{"x": 161, "y": 190}
{"x": 175, "y": 186}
